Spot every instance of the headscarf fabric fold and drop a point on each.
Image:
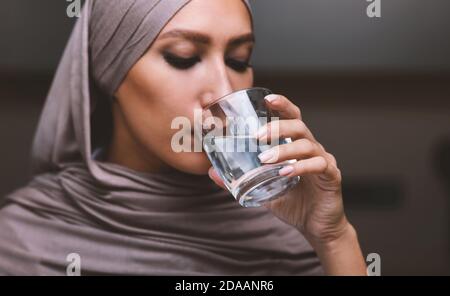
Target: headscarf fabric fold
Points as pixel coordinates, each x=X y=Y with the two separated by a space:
x=117 y=220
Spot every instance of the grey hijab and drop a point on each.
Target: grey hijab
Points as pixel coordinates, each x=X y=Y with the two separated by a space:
x=117 y=220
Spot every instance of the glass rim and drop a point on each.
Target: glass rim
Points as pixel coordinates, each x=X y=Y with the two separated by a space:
x=222 y=98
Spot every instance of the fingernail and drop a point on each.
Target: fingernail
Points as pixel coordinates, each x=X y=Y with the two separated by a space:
x=271 y=98
x=210 y=173
x=266 y=155
x=262 y=132
x=286 y=170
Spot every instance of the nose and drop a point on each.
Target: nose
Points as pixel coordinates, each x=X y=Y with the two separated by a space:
x=218 y=84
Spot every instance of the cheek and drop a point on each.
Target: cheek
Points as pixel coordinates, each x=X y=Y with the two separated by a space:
x=162 y=92
x=150 y=104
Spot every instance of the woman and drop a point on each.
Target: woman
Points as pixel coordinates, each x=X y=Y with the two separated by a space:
x=108 y=188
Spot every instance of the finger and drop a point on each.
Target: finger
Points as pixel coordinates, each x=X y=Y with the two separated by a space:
x=216 y=178
x=286 y=128
x=314 y=165
x=285 y=108
x=330 y=158
x=299 y=149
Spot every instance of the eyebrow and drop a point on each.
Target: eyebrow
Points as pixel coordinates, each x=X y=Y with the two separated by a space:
x=197 y=37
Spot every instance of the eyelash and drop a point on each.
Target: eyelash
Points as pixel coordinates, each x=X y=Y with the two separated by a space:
x=184 y=64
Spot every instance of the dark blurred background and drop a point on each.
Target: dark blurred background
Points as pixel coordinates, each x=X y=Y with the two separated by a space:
x=374 y=91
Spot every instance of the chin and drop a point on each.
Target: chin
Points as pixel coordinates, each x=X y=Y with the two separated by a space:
x=196 y=163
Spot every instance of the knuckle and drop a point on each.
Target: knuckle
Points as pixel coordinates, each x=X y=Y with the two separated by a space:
x=322 y=163
x=301 y=126
x=298 y=112
x=288 y=150
x=332 y=158
x=308 y=146
x=321 y=147
x=338 y=175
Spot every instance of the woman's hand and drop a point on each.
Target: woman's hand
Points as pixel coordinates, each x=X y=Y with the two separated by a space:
x=315 y=205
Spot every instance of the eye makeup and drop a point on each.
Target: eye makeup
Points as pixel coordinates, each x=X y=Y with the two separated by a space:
x=183 y=63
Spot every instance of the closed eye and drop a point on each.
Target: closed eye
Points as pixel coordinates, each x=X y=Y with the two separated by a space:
x=239 y=66
x=186 y=63
x=179 y=62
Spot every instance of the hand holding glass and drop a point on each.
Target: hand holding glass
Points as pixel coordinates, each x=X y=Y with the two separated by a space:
x=229 y=128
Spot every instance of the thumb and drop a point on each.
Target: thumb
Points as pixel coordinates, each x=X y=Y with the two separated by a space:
x=216 y=178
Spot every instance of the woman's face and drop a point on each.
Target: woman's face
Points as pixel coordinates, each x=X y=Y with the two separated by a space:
x=202 y=54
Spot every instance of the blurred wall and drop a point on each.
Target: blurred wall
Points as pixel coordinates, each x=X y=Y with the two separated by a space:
x=324 y=35
x=375 y=92
x=312 y=35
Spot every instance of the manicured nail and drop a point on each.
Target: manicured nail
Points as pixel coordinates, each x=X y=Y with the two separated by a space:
x=286 y=170
x=266 y=155
x=262 y=132
x=271 y=98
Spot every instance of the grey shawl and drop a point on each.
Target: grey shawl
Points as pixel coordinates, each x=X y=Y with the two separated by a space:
x=119 y=221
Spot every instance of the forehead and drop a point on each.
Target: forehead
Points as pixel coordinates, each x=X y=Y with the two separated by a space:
x=220 y=19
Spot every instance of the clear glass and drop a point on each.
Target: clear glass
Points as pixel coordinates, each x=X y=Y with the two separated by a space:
x=229 y=128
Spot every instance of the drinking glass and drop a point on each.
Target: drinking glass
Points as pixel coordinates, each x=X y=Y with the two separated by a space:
x=229 y=128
